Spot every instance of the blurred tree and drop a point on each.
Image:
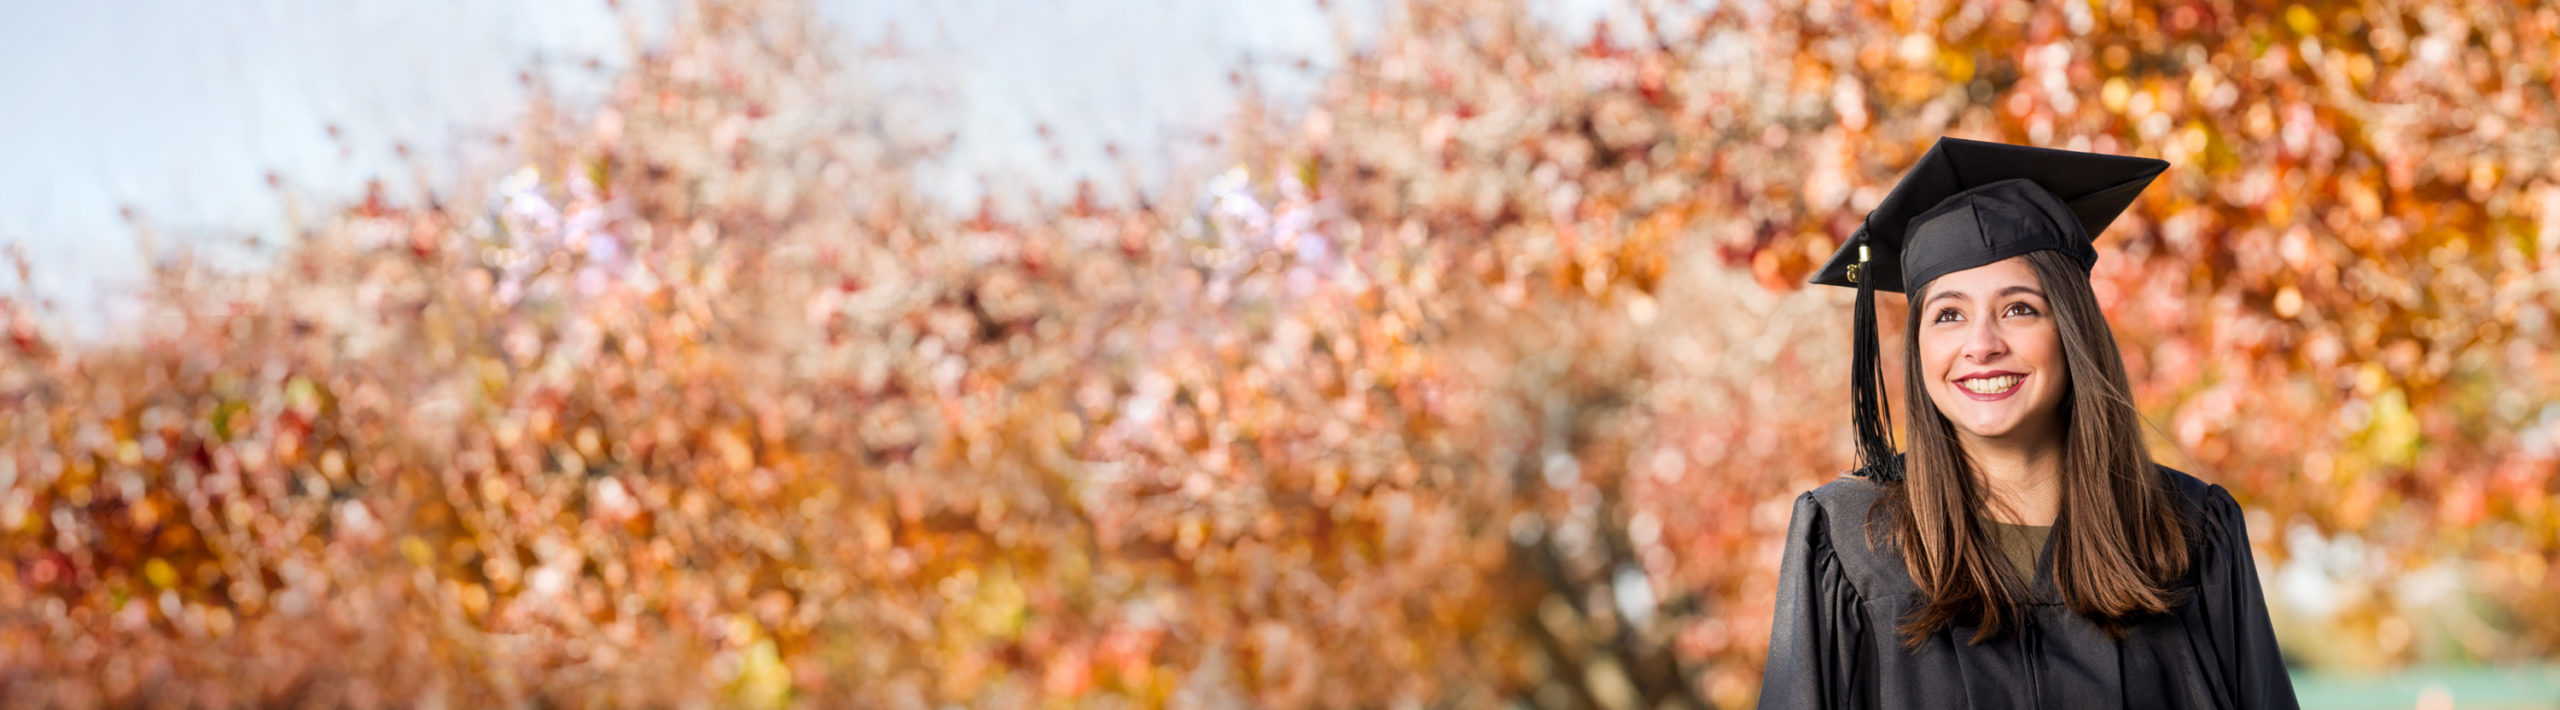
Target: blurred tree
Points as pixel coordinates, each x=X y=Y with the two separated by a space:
x=1485 y=379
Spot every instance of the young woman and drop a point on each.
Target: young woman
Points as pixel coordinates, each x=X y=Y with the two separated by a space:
x=2025 y=552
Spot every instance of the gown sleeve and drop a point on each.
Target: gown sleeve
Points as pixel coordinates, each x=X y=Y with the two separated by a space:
x=1814 y=637
x=2237 y=608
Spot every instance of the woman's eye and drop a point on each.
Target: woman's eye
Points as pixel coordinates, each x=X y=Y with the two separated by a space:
x=1948 y=315
x=2021 y=309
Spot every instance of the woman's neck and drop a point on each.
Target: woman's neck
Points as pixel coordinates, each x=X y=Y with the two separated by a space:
x=2024 y=478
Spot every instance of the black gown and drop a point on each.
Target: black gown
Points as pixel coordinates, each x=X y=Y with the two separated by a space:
x=1834 y=644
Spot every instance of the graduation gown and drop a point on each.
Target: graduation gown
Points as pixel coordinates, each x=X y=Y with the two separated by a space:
x=1834 y=645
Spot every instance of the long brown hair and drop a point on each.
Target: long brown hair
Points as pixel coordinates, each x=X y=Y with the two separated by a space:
x=2120 y=539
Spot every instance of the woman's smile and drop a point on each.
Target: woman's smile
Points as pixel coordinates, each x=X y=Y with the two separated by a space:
x=1990 y=386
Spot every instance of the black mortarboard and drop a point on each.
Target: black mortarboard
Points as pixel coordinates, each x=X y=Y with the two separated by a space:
x=1967 y=204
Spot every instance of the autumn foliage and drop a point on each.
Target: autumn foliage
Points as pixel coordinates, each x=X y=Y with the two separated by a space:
x=1486 y=377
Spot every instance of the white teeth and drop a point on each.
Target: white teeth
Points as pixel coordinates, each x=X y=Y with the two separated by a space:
x=1992 y=385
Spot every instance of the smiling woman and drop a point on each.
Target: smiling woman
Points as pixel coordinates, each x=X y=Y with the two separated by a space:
x=2022 y=460
x=2026 y=552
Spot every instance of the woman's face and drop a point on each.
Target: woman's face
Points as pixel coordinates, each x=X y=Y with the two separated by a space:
x=1991 y=353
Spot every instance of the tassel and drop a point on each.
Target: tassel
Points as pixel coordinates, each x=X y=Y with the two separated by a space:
x=1872 y=415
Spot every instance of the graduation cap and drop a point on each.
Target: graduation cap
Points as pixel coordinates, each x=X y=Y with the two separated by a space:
x=1967 y=204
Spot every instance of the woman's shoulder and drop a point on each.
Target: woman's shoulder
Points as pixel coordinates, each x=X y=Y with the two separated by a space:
x=2215 y=513
x=1837 y=507
x=1849 y=493
x=1834 y=523
x=2207 y=498
x=2191 y=488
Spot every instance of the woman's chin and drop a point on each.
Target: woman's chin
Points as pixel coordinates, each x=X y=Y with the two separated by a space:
x=1987 y=433
x=1992 y=427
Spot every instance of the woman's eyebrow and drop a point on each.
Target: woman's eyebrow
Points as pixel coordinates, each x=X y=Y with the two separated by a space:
x=1934 y=297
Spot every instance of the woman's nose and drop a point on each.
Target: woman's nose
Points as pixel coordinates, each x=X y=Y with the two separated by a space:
x=1984 y=343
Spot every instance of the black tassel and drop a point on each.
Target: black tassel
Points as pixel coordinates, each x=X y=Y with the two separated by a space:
x=1873 y=416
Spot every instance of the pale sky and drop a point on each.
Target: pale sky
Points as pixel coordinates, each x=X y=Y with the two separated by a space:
x=181 y=109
